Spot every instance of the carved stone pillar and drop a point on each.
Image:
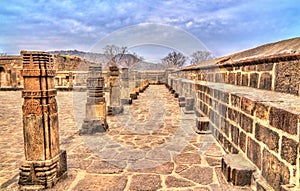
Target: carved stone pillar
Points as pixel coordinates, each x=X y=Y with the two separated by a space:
x=45 y=163
x=95 y=120
x=125 y=90
x=115 y=90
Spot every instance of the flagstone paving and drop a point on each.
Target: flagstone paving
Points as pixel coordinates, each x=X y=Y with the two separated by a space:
x=151 y=146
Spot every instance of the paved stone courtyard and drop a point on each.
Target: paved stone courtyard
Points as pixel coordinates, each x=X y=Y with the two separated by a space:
x=151 y=146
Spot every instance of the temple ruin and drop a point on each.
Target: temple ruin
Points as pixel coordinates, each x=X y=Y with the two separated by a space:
x=240 y=113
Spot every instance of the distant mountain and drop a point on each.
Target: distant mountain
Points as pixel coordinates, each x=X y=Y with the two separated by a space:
x=93 y=57
x=125 y=60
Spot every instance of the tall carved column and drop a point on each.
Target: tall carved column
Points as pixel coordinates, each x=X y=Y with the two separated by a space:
x=95 y=120
x=115 y=92
x=45 y=163
x=125 y=90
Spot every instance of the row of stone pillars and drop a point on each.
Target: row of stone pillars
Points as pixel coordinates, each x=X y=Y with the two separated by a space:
x=188 y=105
x=44 y=162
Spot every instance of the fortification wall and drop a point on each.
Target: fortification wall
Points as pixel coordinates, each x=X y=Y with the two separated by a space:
x=253 y=110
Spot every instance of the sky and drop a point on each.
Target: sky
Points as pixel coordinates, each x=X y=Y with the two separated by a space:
x=220 y=26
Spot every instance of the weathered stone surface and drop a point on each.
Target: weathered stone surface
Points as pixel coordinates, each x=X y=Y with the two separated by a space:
x=254 y=80
x=289 y=150
x=274 y=171
x=242 y=141
x=233 y=114
x=245 y=79
x=247 y=105
x=246 y=123
x=261 y=111
x=254 y=152
x=287 y=77
x=103 y=183
x=213 y=161
x=234 y=134
x=267 y=136
x=231 y=78
x=265 y=81
x=188 y=158
x=159 y=168
x=283 y=120
x=145 y=182
x=235 y=101
x=172 y=182
x=200 y=175
x=101 y=167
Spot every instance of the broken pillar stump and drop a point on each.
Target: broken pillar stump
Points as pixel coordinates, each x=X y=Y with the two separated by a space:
x=202 y=125
x=44 y=162
x=237 y=169
x=95 y=120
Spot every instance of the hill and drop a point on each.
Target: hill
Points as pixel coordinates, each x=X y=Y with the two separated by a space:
x=125 y=60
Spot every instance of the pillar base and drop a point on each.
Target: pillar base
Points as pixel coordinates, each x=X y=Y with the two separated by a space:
x=39 y=175
x=91 y=126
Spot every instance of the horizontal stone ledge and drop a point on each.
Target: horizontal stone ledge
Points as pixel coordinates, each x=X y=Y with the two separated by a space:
x=220 y=63
x=283 y=101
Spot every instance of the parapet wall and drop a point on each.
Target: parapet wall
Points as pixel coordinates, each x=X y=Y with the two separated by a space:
x=278 y=73
x=253 y=107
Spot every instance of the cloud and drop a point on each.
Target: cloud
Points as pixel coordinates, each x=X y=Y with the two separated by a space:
x=223 y=25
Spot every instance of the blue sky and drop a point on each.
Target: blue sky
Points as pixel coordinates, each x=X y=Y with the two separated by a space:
x=223 y=26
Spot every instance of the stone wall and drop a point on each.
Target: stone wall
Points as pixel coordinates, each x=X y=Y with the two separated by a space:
x=10 y=71
x=253 y=109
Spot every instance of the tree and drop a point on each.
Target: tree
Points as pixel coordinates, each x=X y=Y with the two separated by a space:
x=120 y=56
x=174 y=59
x=200 y=56
x=111 y=53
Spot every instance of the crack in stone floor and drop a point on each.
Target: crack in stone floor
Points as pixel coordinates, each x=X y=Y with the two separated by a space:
x=151 y=146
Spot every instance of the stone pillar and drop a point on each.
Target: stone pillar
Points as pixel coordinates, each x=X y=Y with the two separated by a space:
x=115 y=92
x=44 y=162
x=125 y=90
x=95 y=120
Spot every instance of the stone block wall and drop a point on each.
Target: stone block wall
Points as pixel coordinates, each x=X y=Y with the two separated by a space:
x=276 y=73
x=248 y=113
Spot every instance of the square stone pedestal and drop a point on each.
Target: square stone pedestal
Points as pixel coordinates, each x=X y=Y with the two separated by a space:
x=91 y=126
x=39 y=175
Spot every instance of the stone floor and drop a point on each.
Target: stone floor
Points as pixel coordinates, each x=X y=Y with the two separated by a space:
x=151 y=146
